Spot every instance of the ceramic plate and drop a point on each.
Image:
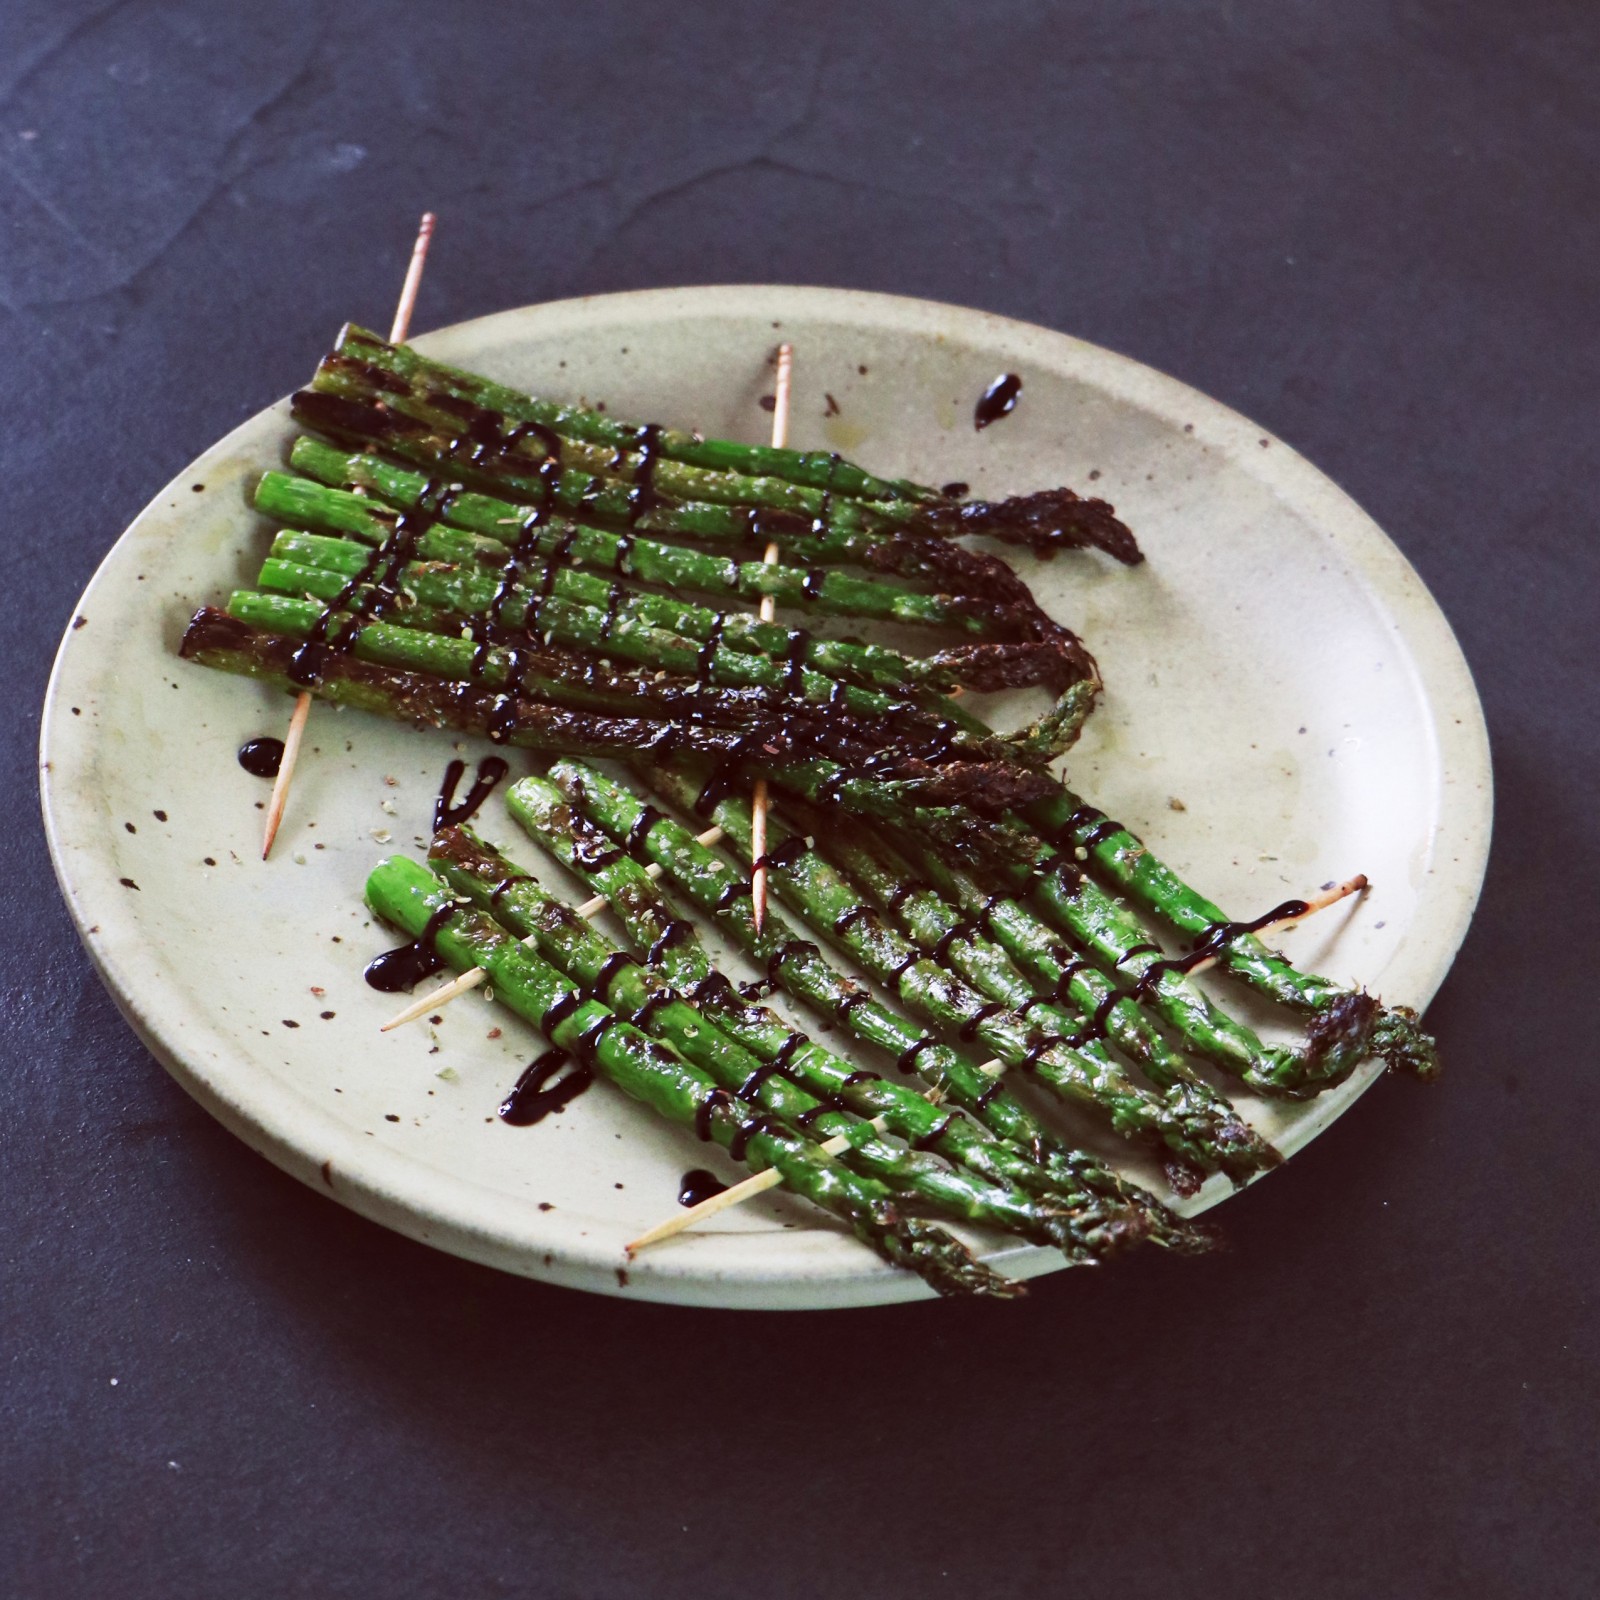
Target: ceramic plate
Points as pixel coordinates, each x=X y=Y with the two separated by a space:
x=1286 y=705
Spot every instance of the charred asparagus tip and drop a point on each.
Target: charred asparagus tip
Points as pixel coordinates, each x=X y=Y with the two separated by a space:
x=446 y=992
x=782 y=384
x=302 y=704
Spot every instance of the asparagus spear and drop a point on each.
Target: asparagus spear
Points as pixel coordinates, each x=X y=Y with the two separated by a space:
x=1071 y=824
x=797 y=965
x=456 y=572
x=1108 y=933
x=474 y=665
x=1103 y=1224
x=920 y=1181
x=937 y=926
x=1036 y=944
x=410 y=897
x=218 y=640
x=814 y=467
x=503 y=438
x=980 y=599
x=822 y=543
x=833 y=906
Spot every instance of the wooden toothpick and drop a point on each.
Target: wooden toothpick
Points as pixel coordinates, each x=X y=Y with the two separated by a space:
x=470 y=979
x=736 y=1196
x=752 y=1186
x=769 y=608
x=1313 y=904
x=302 y=705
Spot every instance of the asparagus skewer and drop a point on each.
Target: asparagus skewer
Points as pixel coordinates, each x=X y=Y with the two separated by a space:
x=1190 y=1134
x=993 y=600
x=638 y=991
x=753 y=702
x=652 y=924
x=414 y=900
x=509 y=435
x=797 y=965
x=817 y=468
x=218 y=640
x=1336 y=1040
x=938 y=926
x=452 y=575
x=1071 y=824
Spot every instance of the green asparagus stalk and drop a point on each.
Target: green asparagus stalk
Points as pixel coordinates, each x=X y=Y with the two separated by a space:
x=427 y=594
x=488 y=440
x=583 y=628
x=797 y=965
x=1071 y=824
x=1107 y=932
x=1036 y=945
x=412 y=899
x=814 y=467
x=323 y=503
x=218 y=640
x=1091 y=1080
x=452 y=575
x=822 y=543
x=937 y=926
x=921 y=1182
x=1101 y=1225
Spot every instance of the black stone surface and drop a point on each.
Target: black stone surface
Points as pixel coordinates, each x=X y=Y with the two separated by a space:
x=1372 y=227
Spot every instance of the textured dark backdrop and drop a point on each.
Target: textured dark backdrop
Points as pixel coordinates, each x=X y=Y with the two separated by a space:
x=1370 y=226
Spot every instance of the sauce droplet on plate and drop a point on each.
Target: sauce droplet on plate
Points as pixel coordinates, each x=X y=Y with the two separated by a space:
x=998 y=400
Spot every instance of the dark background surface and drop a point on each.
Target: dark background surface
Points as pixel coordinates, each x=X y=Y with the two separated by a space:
x=1371 y=227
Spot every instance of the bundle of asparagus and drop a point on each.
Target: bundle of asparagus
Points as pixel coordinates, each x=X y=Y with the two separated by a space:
x=465 y=556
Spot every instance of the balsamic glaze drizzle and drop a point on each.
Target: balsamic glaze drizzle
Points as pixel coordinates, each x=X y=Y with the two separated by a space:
x=447 y=811
x=819 y=525
x=998 y=400
x=379 y=576
x=404 y=967
x=262 y=757
x=697 y=1185
x=530 y=1101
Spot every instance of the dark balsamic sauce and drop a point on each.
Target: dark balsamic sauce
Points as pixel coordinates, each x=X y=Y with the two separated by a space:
x=379 y=577
x=697 y=1185
x=404 y=967
x=534 y=1097
x=998 y=400
x=447 y=810
x=261 y=757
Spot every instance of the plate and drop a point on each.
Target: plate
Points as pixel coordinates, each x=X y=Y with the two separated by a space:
x=1286 y=705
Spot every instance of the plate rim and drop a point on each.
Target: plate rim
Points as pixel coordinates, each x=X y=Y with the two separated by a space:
x=384 y=1184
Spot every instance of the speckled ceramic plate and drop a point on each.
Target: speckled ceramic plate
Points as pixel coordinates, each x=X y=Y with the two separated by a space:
x=1286 y=705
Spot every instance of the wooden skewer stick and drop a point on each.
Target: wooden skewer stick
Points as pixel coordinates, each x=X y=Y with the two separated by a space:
x=1315 y=903
x=758 y=799
x=473 y=976
x=750 y=1188
x=1319 y=902
x=302 y=705
x=736 y=1196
